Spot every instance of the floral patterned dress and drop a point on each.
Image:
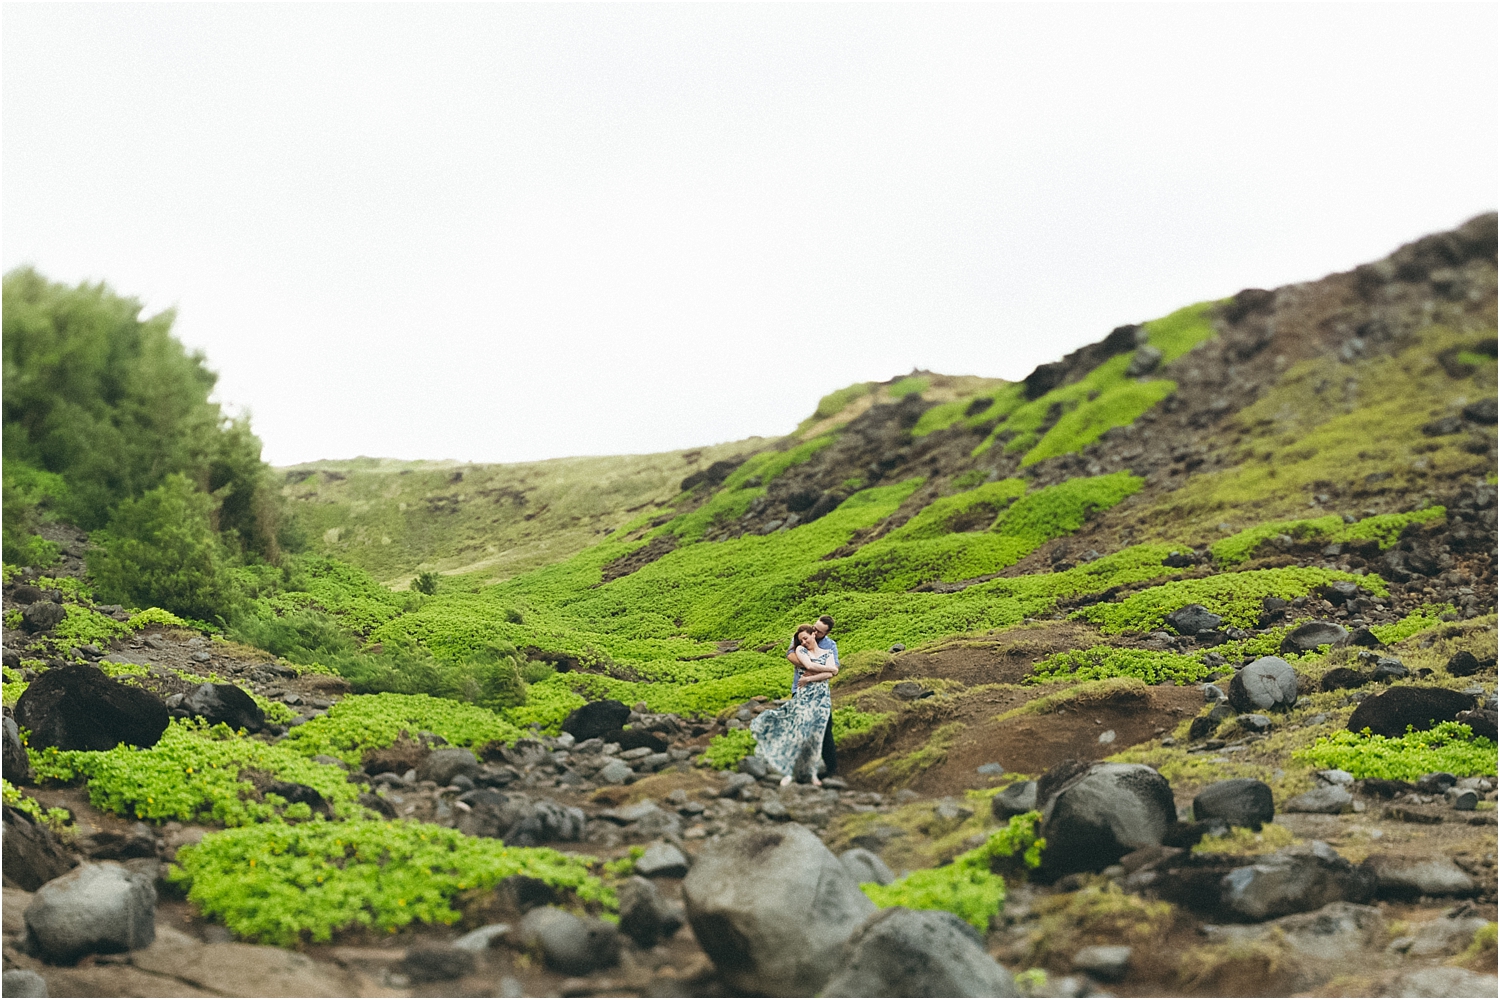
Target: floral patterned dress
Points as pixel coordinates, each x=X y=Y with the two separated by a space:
x=790 y=737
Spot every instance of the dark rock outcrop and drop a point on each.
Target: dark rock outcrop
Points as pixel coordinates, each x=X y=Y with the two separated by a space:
x=76 y=707
x=918 y=953
x=1100 y=814
x=32 y=856
x=596 y=719
x=225 y=703
x=1390 y=712
x=1237 y=801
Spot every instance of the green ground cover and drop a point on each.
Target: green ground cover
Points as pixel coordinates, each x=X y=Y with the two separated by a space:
x=1448 y=746
x=293 y=884
x=1385 y=529
x=365 y=722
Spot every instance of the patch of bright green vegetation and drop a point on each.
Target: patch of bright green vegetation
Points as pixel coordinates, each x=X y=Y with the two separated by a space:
x=850 y=721
x=82 y=626
x=1354 y=436
x=1099 y=662
x=368 y=722
x=987 y=406
x=286 y=885
x=1244 y=841
x=901 y=388
x=743 y=487
x=1448 y=746
x=1235 y=596
x=57 y=820
x=194 y=775
x=728 y=749
x=1107 y=689
x=1382 y=528
x=937 y=518
x=155 y=616
x=966 y=888
x=1419 y=620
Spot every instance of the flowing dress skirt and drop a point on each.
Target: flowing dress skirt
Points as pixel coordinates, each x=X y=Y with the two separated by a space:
x=790 y=737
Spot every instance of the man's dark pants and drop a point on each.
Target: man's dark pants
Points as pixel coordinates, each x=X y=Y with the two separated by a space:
x=830 y=754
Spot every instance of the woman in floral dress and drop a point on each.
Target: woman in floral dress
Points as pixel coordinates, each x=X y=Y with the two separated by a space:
x=790 y=737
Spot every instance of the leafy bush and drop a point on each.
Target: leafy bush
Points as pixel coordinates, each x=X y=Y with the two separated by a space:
x=194 y=774
x=82 y=626
x=161 y=549
x=373 y=721
x=966 y=888
x=490 y=678
x=1419 y=620
x=425 y=583
x=1448 y=746
x=286 y=885
x=57 y=820
x=1101 y=662
x=849 y=721
x=728 y=749
x=155 y=616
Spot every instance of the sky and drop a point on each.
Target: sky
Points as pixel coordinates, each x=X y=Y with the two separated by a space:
x=510 y=232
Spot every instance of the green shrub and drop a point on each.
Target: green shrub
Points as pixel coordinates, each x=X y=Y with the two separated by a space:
x=1102 y=662
x=374 y=721
x=966 y=888
x=1419 y=620
x=426 y=582
x=82 y=626
x=1448 y=746
x=57 y=820
x=728 y=749
x=194 y=775
x=155 y=616
x=1383 y=528
x=287 y=885
x=160 y=549
x=850 y=721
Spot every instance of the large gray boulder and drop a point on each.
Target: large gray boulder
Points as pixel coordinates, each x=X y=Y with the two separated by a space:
x=23 y=983
x=1269 y=682
x=1237 y=801
x=1013 y=800
x=1294 y=881
x=646 y=917
x=773 y=908
x=866 y=866
x=1408 y=878
x=443 y=765
x=93 y=909
x=1102 y=813
x=1192 y=619
x=570 y=944
x=1306 y=638
x=918 y=953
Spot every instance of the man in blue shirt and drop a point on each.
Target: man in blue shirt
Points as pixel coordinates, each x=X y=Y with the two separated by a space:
x=824 y=626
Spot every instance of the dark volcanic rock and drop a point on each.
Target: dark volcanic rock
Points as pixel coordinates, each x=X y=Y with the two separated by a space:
x=227 y=704
x=596 y=719
x=1482 y=721
x=1341 y=679
x=1237 y=801
x=1308 y=637
x=1390 y=712
x=76 y=707
x=630 y=739
x=1297 y=880
x=1267 y=683
x=14 y=764
x=1100 y=814
x=436 y=963
x=918 y=953
x=1463 y=664
x=25 y=594
x=32 y=856
x=570 y=944
x=1194 y=618
x=42 y=615
x=645 y=916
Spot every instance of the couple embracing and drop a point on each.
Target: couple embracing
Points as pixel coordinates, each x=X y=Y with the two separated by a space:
x=793 y=736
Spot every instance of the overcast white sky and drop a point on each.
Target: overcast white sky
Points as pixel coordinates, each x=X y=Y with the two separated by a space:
x=499 y=233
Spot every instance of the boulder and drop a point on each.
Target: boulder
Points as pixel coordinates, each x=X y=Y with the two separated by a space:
x=1340 y=591
x=1387 y=669
x=481 y=939
x=1194 y=618
x=26 y=594
x=1106 y=962
x=32 y=855
x=42 y=616
x=1481 y=721
x=1463 y=664
x=225 y=703
x=1341 y=679
x=14 y=764
x=1331 y=799
x=1390 y=712
x=662 y=860
x=645 y=916
x=1097 y=815
x=615 y=772
x=572 y=945
x=865 y=866
x=1237 y=801
x=596 y=719
x=23 y=983
x=446 y=763
x=631 y=739
x=917 y=953
x=1013 y=800
x=1307 y=638
x=772 y=908
x=1293 y=882
x=435 y=963
x=76 y=707
x=546 y=821
x=1267 y=683
x=1411 y=878
x=94 y=909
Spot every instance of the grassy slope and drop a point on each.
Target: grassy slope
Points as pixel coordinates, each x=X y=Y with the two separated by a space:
x=396 y=518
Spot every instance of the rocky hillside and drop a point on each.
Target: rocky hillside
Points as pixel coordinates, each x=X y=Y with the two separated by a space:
x=1168 y=670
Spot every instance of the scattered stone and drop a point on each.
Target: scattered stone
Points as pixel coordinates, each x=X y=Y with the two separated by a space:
x=1334 y=777
x=754 y=766
x=1445 y=981
x=772 y=908
x=595 y=719
x=1408 y=879
x=865 y=866
x=917 y=953
x=662 y=860
x=1340 y=591
x=1446 y=935
x=1463 y=664
x=898 y=647
x=93 y=909
x=989 y=769
x=1362 y=636
x=1013 y=800
x=1267 y=683
x=910 y=691
x=482 y=939
x=1388 y=669
x=225 y=703
x=76 y=707
x=23 y=983
x=1108 y=736
x=1294 y=881
x=1410 y=814
x=1332 y=799
x=616 y=772
x=1341 y=679
x=645 y=916
x=572 y=945
x=773 y=809
x=1237 y=801
x=1098 y=813
x=1179 y=560
x=26 y=594
x=42 y=616
x=446 y=763
x=1481 y=721
x=1254 y=723
x=1202 y=727
x=1462 y=799
x=1105 y=962
x=436 y=963
x=1307 y=638
x=1194 y=618
x=1390 y=712
x=1146 y=359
